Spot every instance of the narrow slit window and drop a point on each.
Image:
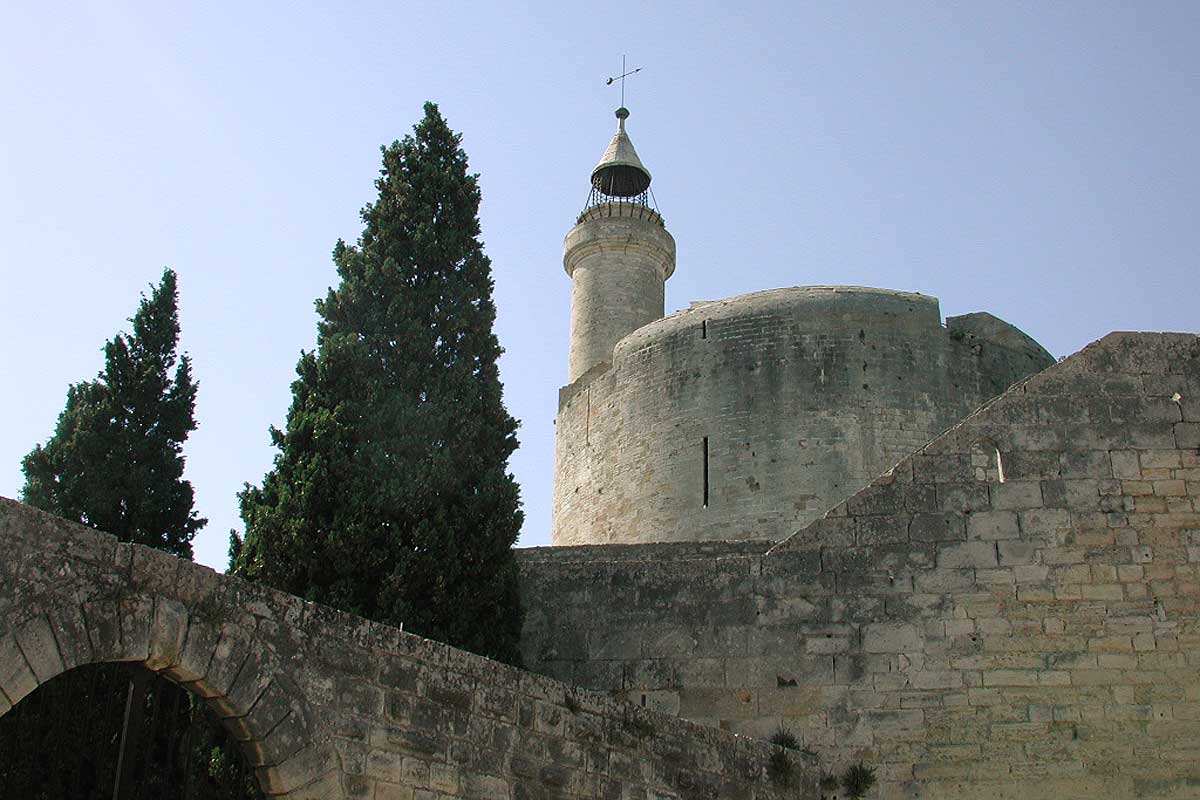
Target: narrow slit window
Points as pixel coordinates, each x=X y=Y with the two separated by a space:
x=704 y=447
x=703 y=329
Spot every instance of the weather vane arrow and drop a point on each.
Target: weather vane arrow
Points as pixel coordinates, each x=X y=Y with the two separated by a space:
x=624 y=74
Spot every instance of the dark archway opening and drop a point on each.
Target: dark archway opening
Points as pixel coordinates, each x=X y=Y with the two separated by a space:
x=118 y=731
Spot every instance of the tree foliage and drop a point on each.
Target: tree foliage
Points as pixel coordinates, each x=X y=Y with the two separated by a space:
x=115 y=460
x=390 y=496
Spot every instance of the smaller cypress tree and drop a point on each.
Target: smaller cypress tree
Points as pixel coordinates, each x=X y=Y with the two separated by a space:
x=115 y=460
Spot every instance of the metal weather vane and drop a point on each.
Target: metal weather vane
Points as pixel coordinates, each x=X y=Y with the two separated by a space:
x=624 y=74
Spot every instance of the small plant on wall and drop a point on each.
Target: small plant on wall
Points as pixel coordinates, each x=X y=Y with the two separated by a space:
x=854 y=783
x=779 y=768
x=857 y=781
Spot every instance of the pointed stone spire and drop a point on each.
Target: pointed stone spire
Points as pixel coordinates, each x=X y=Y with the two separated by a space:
x=620 y=172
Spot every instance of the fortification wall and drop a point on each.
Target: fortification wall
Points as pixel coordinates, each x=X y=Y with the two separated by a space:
x=1036 y=636
x=329 y=706
x=750 y=417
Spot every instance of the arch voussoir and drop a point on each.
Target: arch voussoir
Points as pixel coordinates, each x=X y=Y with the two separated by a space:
x=137 y=614
x=16 y=676
x=36 y=640
x=234 y=648
x=309 y=767
x=103 y=620
x=195 y=655
x=71 y=633
x=168 y=629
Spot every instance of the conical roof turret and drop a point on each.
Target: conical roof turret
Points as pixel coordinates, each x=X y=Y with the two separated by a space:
x=620 y=172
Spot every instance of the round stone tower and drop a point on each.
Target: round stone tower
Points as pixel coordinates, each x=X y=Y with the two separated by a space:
x=619 y=255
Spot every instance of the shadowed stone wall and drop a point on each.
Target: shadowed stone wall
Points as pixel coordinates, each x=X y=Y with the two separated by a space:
x=328 y=705
x=750 y=417
x=1012 y=612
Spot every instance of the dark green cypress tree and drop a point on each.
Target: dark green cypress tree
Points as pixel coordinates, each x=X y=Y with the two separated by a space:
x=390 y=496
x=115 y=460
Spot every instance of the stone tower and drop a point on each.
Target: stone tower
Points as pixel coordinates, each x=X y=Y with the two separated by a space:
x=751 y=416
x=619 y=255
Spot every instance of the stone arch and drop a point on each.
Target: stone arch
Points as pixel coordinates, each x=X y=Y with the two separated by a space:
x=986 y=461
x=67 y=603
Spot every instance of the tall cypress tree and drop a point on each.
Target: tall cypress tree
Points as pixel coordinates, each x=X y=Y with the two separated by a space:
x=115 y=460
x=390 y=496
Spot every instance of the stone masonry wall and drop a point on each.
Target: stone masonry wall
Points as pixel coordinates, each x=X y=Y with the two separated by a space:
x=328 y=705
x=1012 y=612
x=750 y=417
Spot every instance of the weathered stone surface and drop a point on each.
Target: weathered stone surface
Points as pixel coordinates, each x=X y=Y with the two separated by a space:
x=325 y=705
x=1037 y=645
x=784 y=401
x=167 y=634
x=37 y=643
x=16 y=678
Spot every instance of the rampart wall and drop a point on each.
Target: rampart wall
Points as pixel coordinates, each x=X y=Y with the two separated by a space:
x=331 y=706
x=1012 y=612
x=750 y=417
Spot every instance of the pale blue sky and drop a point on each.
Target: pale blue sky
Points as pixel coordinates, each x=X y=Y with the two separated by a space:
x=1036 y=160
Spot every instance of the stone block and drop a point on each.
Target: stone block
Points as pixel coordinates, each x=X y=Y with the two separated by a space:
x=1160 y=459
x=826 y=644
x=1010 y=677
x=887 y=637
x=37 y=642
x=16 y=678
x=104 y=630
x=1030 y=573
x=391 y=791
x=620 y=644
x=886 y=529
x=153 y=571
x=1042 y=464
x=1016 y=552
x=196 y=654
x=384 y=766
x=963 y=497
x=303 y=769
x=1016 y=495
x=1113 y=592
x=1170 y=488
x=251 y=682
x=700 y=673
x=280 y=722
x=942 y=468
x=967 y=554
x=885 y=498
x=721 y=703
x=649 y=674
x=993 y=525
x=1082 y=494
x=937 y=527
x=228 y=656
x=137 y=614
x=70 y=631
x=945 y=580
x=920 y=497
x=167 y=634
x=936 y=679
